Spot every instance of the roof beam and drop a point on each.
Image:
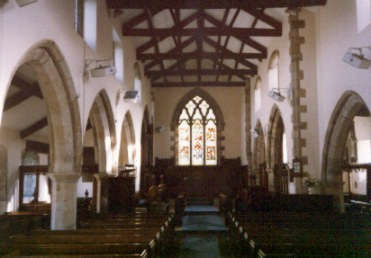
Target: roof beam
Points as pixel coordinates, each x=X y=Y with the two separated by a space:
x=210 y=4
x=240 y=72
x=198 y=84
x=176 y=27
x=34 y=128
x=173 y=51
x=209 y=55
x=224 y=31
x=16 y=99
x=224 y=49
x=23 y=85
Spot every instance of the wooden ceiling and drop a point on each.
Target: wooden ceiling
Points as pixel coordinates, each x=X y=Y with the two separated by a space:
x=187 y=44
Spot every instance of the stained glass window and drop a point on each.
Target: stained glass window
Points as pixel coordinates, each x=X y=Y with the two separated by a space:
x=197 y=134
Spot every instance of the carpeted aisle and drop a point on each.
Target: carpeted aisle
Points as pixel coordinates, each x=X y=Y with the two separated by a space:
x=203 y=233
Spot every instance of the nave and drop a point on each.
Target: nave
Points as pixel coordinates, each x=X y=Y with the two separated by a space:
x=262 y=226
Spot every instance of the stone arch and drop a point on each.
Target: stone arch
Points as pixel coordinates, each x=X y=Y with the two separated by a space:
x=127 y=145
x=259 y=145
x=340 y=125
x=274 y=153
x=63 y=114
x=3 y=178
x=218 y=113
x=206 y=96
x=103 y=123
x=275 y=132
x=146 y=150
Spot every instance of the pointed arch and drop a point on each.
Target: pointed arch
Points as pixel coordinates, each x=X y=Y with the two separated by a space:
x=208 y=151
x=127 y=146
x=340 y=126
x=259 y=145
x=63 y=115
x=276 y=129
x=146 y=150
x=103 y=123
x=206 y=96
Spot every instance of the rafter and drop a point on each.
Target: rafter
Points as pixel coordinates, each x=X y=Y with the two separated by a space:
x=23 y=85
x=224 y=31
x=211 y=4
x=16 y=99
x=34 y=128
x=157 y=51
x=224 y=49
x=198 y=84
x=240 y=72
x=176 y=27
x=175 y=50
x=209 y=55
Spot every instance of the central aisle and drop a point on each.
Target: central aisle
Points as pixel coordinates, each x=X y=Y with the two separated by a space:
x=203 y=233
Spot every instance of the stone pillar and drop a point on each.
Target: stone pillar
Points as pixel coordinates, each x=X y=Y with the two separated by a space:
x=64 y=201
x=298 y=93
x=248 y=125
x=101 y=194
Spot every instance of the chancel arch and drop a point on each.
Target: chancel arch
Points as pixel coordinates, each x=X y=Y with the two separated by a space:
x=277 y=152
x=339 y=134
x=197 y=126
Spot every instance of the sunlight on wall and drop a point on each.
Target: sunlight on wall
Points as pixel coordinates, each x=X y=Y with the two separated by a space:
x=82 y=187
x=284 y=149
x=363 y=14
x=44 y=195
x=364 y=151
x=90 y=23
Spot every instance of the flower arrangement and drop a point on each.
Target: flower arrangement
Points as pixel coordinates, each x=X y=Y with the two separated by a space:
x=311 y=182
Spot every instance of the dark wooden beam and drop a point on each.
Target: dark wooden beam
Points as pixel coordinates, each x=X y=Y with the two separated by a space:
x=139 y=19
x=210 y=4
x=16 y=99
x=173 y=51
x=38 y=147
x=23 y=85
x=198 y=84
x=34 y=128
x=225 y=31
x=224 y=49
x=177 y=27
x=241 y=72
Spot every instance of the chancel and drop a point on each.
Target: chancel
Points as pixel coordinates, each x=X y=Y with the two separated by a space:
x=185 y=128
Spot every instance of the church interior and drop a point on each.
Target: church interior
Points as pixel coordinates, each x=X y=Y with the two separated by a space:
x=185 y=128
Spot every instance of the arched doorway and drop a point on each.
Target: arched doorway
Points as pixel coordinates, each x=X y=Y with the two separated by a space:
x=43 y=84
x=278 y=181
x=259 y=157
x=338 y=144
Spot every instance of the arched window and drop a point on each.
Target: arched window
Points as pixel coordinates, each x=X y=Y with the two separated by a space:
x=197 y=134
x=273 y=71
x=257 y=95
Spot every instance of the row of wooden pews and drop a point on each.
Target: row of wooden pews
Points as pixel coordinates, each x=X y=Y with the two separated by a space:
x=136 y=234
x=300 y=234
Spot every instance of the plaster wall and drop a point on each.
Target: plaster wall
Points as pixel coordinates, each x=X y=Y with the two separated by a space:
x=336 y=31
x=228 y=99
x=21 y=29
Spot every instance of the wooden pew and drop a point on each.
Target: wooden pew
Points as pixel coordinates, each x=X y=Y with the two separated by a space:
x=118 y=235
